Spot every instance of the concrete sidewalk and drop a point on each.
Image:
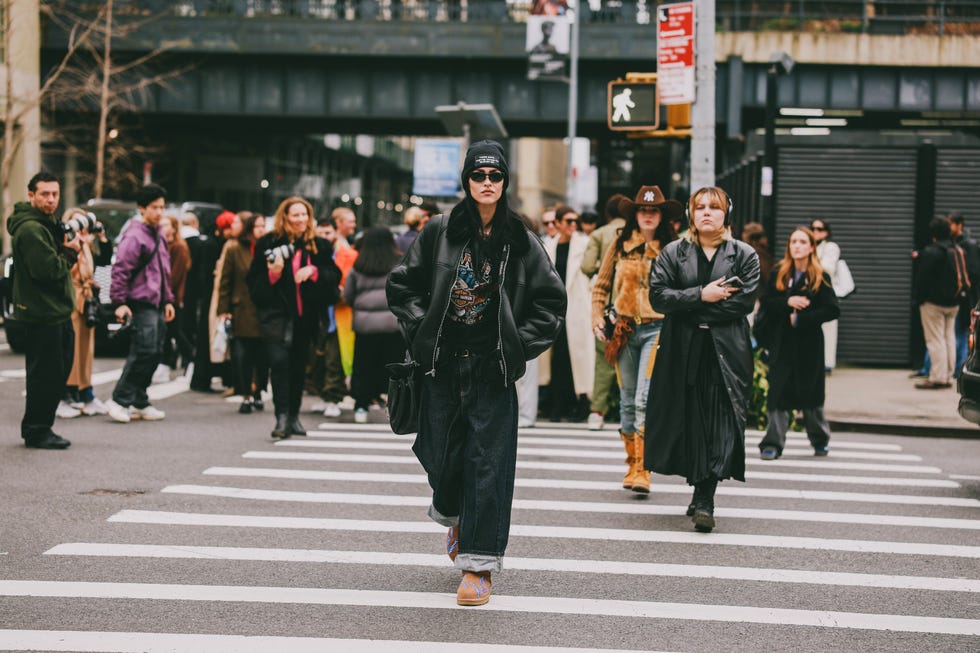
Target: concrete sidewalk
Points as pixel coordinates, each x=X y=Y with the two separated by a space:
x=886 y=401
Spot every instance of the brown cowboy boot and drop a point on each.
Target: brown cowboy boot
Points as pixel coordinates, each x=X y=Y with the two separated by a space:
x=628 y=443
x=640 y=479
x=474 y=588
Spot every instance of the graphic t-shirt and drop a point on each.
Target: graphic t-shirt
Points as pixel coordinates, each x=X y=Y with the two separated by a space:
x=471 y=320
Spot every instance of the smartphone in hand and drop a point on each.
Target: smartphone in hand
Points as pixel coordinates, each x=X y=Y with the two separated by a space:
x=732 y=282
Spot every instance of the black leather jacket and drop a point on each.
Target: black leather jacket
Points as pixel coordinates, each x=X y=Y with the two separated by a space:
x=531 y=307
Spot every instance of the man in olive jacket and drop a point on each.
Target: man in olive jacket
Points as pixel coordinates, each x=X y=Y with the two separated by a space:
x=43 y=300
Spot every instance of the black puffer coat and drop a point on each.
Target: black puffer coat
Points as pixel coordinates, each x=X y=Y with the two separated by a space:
x=276 y=304
x=676 y=292
x=796 y=375
x=532 y=302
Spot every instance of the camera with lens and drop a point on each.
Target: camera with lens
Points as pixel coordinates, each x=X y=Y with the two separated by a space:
x=286 y=251
x=81 y=221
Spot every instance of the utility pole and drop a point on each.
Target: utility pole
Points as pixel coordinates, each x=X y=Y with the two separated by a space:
x=703 y=109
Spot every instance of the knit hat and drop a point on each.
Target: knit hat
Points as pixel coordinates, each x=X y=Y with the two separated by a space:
x=484 y=154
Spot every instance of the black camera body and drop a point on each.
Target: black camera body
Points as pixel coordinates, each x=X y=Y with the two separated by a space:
x=285 y=250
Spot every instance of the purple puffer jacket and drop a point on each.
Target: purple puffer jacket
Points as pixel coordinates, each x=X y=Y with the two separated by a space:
x=151 y=285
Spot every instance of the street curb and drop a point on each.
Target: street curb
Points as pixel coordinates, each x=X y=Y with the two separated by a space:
x=905 y=428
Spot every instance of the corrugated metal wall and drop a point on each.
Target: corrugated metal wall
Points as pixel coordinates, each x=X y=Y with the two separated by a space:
x=958 y=184
x=868 y=196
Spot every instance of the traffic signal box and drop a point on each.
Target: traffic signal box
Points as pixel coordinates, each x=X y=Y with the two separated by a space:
x=633 y=106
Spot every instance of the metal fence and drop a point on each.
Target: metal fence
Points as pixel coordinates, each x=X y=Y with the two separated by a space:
x=858 y=16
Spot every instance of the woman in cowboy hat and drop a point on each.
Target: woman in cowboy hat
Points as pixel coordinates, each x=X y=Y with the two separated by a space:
x=623 y=283
x=705 y=285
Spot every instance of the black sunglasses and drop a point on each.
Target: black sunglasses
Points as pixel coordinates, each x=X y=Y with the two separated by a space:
x=479 y=176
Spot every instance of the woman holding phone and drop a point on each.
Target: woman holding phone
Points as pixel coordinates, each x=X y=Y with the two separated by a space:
x=705 y=285
x=799 y=299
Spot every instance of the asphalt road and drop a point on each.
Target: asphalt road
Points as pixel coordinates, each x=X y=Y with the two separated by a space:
x=201 y=533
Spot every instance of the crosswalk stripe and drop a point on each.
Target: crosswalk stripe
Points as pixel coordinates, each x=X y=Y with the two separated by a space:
x=379 y=441
x=605 y=469
x=582 y=467
x=500 y=603
x=133 y=642
x=169 y=389
x=570 y=484
x=626 y=568
x=631 y=508
x=551 y=532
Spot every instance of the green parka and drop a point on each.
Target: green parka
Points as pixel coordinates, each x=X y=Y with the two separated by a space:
x=43 y=292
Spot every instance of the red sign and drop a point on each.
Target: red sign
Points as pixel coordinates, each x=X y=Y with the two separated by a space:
x=675 y=53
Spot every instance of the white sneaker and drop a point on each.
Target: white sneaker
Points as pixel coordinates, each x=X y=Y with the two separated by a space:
x=360 y=416
x=330 y=409
x=117 y=413
x=94 y=407
x=595 y=421
x=161 y=374
x=64 y=411
x=318 y=407
x=148 y=414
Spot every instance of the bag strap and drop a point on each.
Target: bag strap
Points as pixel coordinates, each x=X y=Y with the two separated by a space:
x=145 y=262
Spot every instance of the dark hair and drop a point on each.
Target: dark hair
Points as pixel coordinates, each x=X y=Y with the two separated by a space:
x=326 y=219
x=589 y=217
x=955 y=217
x=664 y=233
x=612 y=207
x=826 y=227
x=248 y=219
x=149 y=194
x=44 y=175
x=377 y=253
x=430 y=207
x=939 y=228
x=562 y=211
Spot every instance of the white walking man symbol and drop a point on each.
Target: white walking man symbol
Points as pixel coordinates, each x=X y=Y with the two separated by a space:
x=622 y=104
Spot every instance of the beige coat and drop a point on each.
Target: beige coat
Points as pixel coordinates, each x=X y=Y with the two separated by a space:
x=578 y=323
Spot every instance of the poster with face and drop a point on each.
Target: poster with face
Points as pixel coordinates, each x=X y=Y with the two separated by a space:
x=547 y=46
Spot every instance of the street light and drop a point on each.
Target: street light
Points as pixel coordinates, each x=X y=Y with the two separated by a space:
x=780 y=63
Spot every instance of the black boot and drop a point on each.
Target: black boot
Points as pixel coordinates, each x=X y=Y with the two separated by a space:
x=691 y=506
x=293 y=427
x=281 y=429
x=704 y=506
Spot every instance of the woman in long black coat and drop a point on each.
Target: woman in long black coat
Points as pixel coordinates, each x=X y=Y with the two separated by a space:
x=292 y=280
x=699 y=393
x=798 y=300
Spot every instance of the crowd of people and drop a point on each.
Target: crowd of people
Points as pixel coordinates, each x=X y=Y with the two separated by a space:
x=653 y=307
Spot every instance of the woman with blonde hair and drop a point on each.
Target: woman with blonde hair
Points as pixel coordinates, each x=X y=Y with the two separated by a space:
x=83 y=279
x=292 y=280
x=704 y=284
x=798 y=300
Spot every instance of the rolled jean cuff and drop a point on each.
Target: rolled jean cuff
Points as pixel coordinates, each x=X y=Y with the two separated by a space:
x=439 y=518
x=479 y=562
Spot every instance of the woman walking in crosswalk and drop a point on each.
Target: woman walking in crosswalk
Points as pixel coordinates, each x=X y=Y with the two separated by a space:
x=705 y=285
x=477 y=297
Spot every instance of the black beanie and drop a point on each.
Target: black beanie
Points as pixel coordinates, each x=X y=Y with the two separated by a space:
x=484 y=154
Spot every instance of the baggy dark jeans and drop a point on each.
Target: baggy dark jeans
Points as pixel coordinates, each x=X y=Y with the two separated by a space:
x=48 y=353
x=287 y=369
x=145 y=352
x=467 y=443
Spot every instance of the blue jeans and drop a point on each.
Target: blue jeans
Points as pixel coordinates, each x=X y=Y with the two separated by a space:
x=145 y=351
x=467 y=443
x=633 y=370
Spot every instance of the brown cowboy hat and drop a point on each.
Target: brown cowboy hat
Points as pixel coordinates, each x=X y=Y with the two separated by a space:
x=651 y=197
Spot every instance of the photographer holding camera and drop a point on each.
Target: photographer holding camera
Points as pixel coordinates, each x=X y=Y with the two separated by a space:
x=44 y=300
x=142 y=294
x=85 y=317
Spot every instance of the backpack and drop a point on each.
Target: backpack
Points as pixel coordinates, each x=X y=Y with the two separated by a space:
x=954 y=287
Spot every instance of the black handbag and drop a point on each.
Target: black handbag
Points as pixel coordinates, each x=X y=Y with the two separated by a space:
x=92 y=312
x=404 y=396
x=609 y=318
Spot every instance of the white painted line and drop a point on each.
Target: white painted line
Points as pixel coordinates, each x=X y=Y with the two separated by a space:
x=585 y=467
x=965 y=477
x=14 y=374
x=109 y=376
x=632 y=508
x=603 y=486
x=501 y=603
x=381 y=441
x=551 y=532
x=4 y=346
x=169 y=389
x=850 y=480
x=625 y=568
x=131 y=642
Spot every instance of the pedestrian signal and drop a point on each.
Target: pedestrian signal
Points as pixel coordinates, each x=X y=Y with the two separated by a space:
x=633 y=106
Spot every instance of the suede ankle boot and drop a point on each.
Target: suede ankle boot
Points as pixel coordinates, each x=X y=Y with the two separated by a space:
x=628 y=444
x=474 y=588
x=640 y=478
